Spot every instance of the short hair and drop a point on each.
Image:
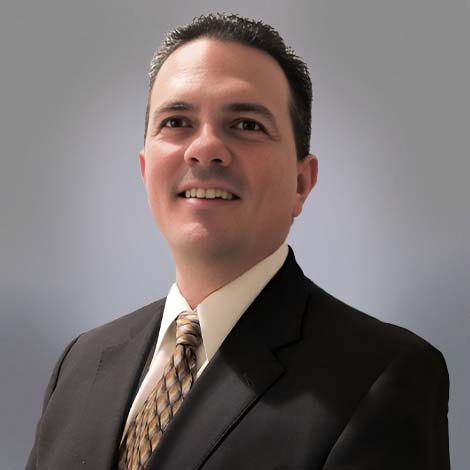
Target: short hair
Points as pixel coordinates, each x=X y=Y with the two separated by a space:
x=256 y=34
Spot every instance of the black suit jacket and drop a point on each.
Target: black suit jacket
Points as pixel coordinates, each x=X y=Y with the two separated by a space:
x=303 y=381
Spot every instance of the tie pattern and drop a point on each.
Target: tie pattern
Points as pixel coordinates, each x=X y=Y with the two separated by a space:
x=145 y=431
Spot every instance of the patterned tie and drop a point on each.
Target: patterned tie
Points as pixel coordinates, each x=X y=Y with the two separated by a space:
x=145 y=431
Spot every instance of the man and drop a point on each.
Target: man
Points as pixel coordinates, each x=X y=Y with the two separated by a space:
x=246 y=364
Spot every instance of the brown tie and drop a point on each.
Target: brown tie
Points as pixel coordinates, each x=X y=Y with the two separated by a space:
x=146 y=430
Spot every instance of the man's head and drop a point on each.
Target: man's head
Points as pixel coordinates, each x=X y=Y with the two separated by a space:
x=233 y=28
x=220 y=159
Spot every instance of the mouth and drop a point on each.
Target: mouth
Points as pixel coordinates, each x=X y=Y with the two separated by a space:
x=210 y=193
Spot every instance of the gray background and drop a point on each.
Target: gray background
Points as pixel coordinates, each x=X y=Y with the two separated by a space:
x=386 y=229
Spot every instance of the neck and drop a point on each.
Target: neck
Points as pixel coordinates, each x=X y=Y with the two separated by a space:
x=198 y=278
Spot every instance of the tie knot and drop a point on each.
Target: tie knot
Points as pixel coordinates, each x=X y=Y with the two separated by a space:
x=188 y=330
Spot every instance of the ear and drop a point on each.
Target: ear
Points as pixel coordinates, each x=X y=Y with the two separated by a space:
x=307 y=172
x=142 y=164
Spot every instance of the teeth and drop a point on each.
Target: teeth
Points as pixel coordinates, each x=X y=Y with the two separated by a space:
x=211 y=193
x=225 y=195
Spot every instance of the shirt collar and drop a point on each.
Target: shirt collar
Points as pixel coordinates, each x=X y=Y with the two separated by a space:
x=219 y=312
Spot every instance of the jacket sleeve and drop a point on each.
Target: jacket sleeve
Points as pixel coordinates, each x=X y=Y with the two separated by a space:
x=32 y=460
x=401 y=423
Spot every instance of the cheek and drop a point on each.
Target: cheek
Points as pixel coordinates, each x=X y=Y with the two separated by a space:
x=279 y=178
x=161 y=166
x=281 y=191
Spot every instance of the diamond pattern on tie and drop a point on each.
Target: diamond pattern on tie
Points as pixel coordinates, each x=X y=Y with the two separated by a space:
x=145 y=431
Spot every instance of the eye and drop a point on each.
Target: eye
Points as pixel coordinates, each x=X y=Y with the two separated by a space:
x=174 y=122
x=249 y=125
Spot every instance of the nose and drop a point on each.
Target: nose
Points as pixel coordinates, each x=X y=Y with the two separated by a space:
x=207 y=149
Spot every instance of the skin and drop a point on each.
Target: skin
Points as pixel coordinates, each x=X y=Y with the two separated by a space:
x=207 y=142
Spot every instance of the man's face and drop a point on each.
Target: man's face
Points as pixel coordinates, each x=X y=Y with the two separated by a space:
x=219 y=125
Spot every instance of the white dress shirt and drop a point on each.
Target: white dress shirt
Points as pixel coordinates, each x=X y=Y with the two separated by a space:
x=218 y=313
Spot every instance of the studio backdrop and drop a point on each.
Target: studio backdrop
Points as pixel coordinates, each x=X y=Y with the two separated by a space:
x=386 y=229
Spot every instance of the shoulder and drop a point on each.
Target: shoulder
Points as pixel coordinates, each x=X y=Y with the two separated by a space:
x=357 y=336
x=119 y=330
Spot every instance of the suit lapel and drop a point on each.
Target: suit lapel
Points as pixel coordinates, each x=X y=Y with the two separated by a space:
x=238 y=375
x=112 y=392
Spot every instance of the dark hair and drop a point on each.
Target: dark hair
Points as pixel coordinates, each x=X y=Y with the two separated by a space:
x=233 y=28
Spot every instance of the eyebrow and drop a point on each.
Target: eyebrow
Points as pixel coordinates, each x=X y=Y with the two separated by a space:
x=236 y=107
x=173 y=106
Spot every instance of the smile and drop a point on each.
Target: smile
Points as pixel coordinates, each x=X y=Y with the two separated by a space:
x=211 y=193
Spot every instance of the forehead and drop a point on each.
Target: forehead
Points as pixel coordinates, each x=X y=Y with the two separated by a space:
x=208 y=69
